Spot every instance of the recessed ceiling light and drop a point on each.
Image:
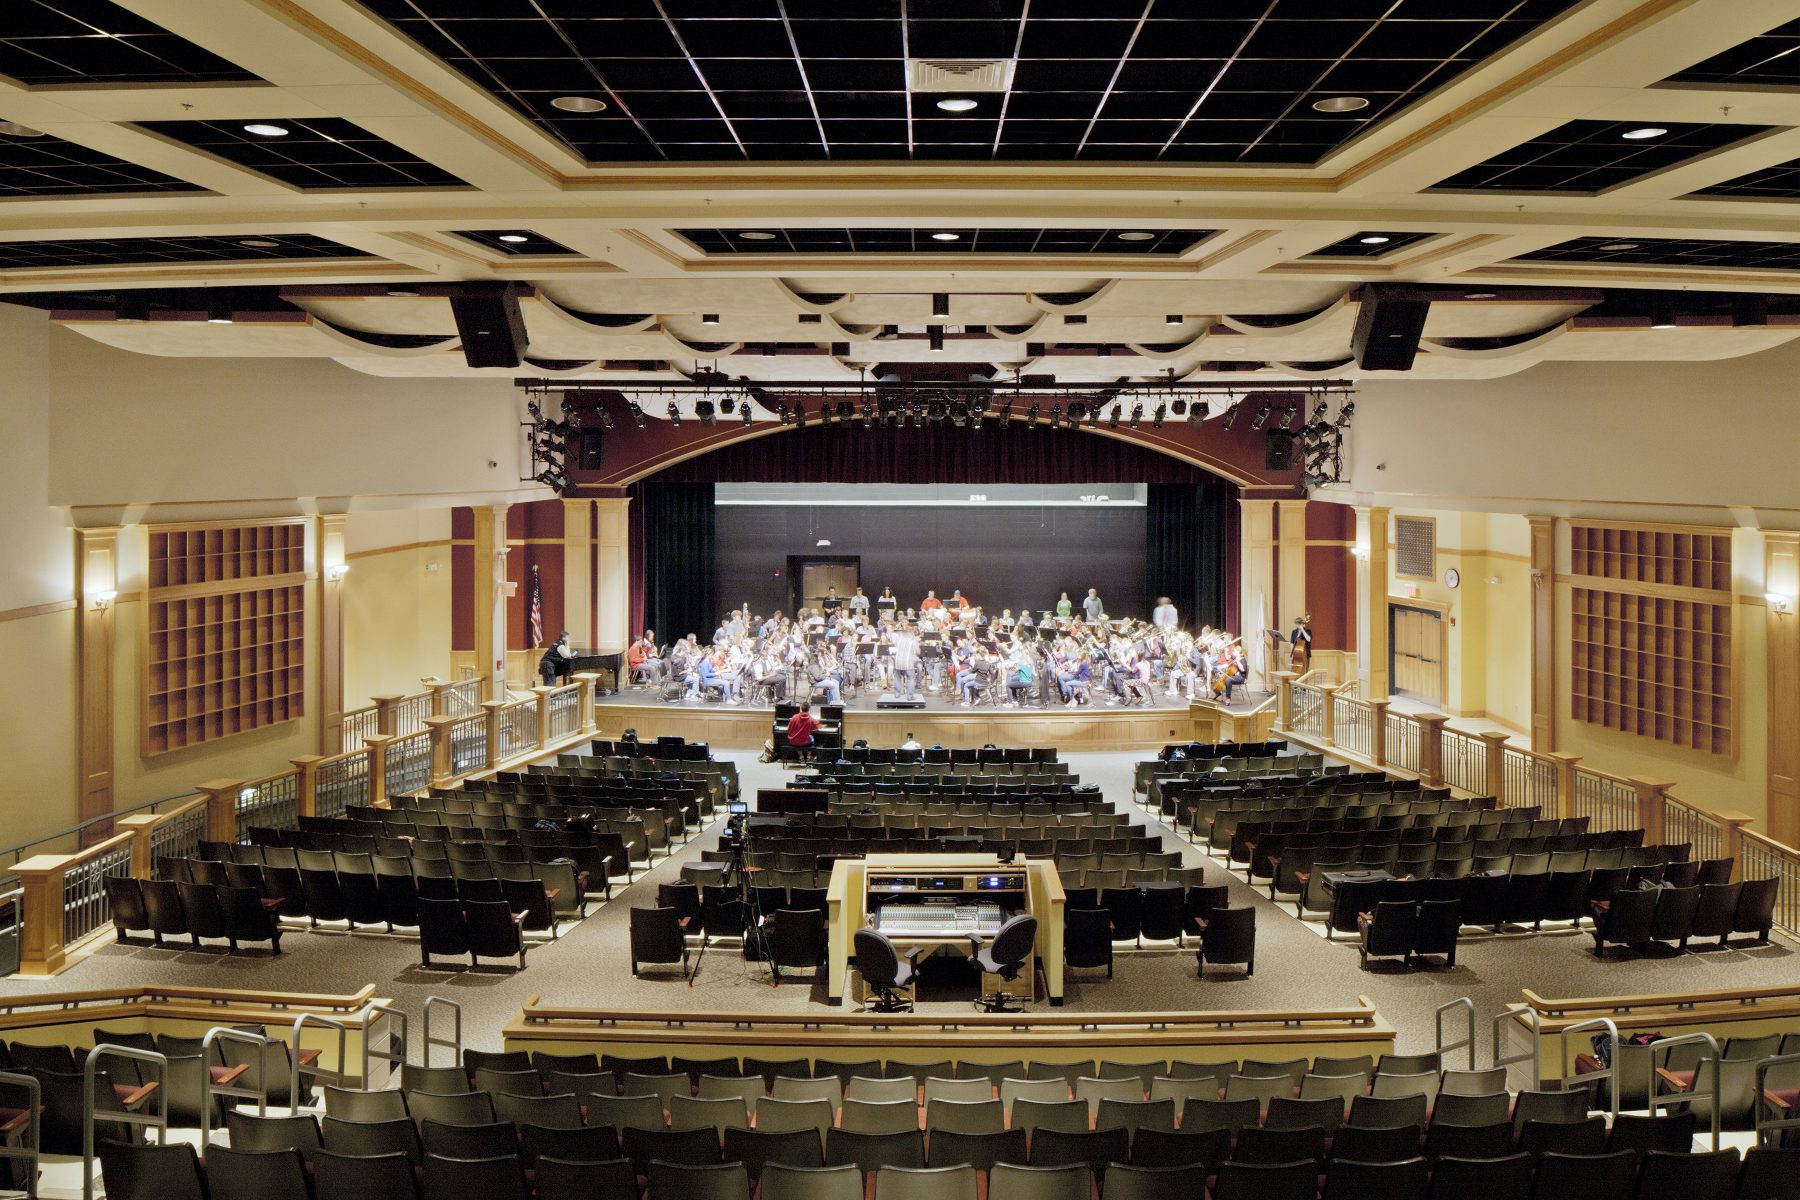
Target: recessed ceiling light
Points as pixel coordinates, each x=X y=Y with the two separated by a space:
x=1478 y=295
x=1648 y=131
x=756 y=235
x=1340 y=104
x=578 y=104
x=946 y=237
x=14 y=129
x=956 y=104
x=259 y=243
x=403 y=293
x=261 y=130
x=1620 y=246
x=1134 y=235
x=514 y=238
x=1375 y=239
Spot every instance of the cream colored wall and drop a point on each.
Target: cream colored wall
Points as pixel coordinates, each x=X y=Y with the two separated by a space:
x=37 y=617
x=396 y=602
x=1709 y=781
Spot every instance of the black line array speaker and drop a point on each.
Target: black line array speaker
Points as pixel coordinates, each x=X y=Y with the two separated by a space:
x=1389 y=321
x=1278 y=450
x=489 y=322
x=592 y=450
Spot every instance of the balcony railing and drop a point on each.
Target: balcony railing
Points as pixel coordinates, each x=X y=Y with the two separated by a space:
x=565 y=712
x=1607 y=801
x=518 y=729
x=180 y=835
x=84 y=902
x=1764 y=858
x=341 y=782
x=1352 y=724
x=1309 y=709
x=468 y=745
x=273 y=803
x=408 y=764
x=1685 y=823
x=1402 y=741
x=1531 y=780
x=1463 y=759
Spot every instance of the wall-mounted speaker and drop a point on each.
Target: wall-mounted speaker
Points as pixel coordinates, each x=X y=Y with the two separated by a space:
x=1389 y=320
x=489 y=322
x=591 y=450
x=1278 y=450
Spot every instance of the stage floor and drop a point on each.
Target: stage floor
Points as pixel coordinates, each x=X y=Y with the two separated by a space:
x=945 y=702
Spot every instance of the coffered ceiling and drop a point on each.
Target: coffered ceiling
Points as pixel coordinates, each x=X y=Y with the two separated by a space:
x=793 y=188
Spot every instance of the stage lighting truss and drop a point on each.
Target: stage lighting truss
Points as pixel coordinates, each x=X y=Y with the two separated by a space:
x=550 y=439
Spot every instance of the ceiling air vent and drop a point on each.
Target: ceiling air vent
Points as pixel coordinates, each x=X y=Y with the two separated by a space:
x=959 y=74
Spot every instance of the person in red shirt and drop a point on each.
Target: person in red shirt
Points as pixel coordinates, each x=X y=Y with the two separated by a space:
x=800 y=729
x=930 y=601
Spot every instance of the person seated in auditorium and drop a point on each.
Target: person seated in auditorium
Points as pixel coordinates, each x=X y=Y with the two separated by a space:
x=699 y=677
x=557 y=666
x=1164 y=616
x=643 y=660
x=1093 y=608
x=1064 y=608
x=911 y=742
x=1073 y=679
x=982 y=673
x=930 y=603
x=1234 y=670
x=768 y=676
x=800 y=729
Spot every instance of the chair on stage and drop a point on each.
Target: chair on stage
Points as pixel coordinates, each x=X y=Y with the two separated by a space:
x=1011 y=951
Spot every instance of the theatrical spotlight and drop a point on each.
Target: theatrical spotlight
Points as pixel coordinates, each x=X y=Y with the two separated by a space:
x=674 y=414
x=1112 y=422
x=637 y=415
x=1288 y=414
x=603 y=417
x=1137 y=414
x=1004 y=416
x=799 y=414
x=1345 y=413
x=1261 y=418
x=846 y=412
x=1179 y=408
x=746 y=410
x=868 y=414
x=1031 y=417
x=1077 y=410
x=1196 y=412
x=1056 y=416
x=1156 y=421
x=704 y=410
x=1231 y=415
x=1093 y=416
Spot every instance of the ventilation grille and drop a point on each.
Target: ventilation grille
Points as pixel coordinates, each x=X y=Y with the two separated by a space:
x=1415 y=547
x=959 y=74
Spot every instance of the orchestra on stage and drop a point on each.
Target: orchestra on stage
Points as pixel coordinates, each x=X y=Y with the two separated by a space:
x=1071 y=654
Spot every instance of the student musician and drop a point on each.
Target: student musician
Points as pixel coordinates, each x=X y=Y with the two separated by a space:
x=1093 y=608
x=643 y=658
x=1302 y=639
x=931 y=603
x=557 y=666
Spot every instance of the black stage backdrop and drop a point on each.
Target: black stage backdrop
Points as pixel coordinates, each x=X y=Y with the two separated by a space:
x=672 y=552
x=1187 y=546
x=1001 y=557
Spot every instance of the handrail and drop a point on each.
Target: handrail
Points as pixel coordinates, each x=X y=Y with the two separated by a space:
x=369 y=1055
x=1767 y=1127
x=158 y=1119
x=1770 y=859
x=1609 y=1072
x=300 y=1022
x=209 y=1089
x=1673 y=1098
x=1533 y=1054
x=1465 y=1006
x=27 y=1149
x=1660 y=1000
x=18 y=851
x=349 y=1002
x=454 y=1042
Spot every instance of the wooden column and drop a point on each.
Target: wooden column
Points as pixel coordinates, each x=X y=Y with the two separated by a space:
x=488 y=580
x=440 y=696
x=1371 y=600
x=1496 y=765
x=1782 y=580
x=543 y=714
x=143 y=851
x=96 y=585
x=612 y=578
x=1565 y=783
x=1650 y=795
x=306 y=783
x=1291 y=578
x=221 y=808
x=588 y=681
x=578 y=571
x=41 y=914
x=1328 y=713
x=1284 y=698
x=387 y=714
x=443 y=774
x=1734 y=823
x=1431 y=747
x=491 y=711
x=1256 y=587
x=377 y=768
x=1543 y=633
x=330 y=555
x=1378 y=732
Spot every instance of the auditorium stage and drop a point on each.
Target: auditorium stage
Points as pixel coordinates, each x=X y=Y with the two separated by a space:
x=946 y=723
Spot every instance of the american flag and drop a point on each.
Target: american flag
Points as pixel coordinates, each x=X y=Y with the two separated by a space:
x=537 y=608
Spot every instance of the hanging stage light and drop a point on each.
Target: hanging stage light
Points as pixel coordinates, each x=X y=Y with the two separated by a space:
x=1261 y=418
x=637 y=415
x=704 y=410
x=1231 y=415
x=674 y=414
x=1137 y=414
x=1112 y=422
x=747 y=417
x=1156 y=421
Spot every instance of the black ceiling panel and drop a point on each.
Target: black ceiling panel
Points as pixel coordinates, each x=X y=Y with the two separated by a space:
x=1229 y=81
x=1780 y=182
x=126 y=252
x=1772 y=59
x=47 y=166
x=1592 y=156
x=322 y=152
x=921 y=241
x=1672 y=252
x=96 y=41
x=507 y=241
x=1355 y=246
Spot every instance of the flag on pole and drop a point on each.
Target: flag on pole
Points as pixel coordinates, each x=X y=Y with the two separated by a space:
x=537 y=608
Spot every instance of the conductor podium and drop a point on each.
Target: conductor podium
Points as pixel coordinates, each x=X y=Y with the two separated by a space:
x=937 y=902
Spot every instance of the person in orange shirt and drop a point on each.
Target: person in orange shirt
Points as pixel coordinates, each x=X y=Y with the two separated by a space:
x=643 y=657
x=957 y=598
x=930 y=601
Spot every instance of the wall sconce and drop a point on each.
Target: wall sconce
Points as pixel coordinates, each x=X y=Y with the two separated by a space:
x=1780 y=603
x=102 y=600
x=336 y=573
x=1537 y=577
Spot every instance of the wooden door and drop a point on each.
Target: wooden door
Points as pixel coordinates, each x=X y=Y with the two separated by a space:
x=1416 y=647
x=817 y=578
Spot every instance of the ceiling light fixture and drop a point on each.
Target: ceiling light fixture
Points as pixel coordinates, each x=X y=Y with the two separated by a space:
x=1340 y=104
x=1375 y=239
x=266 y=130
x=935 y=335
x=1174 y=319
x=218 y=314
x=756 y=235
x=514 y=239
x=259 y=243
x=940 y=304
x=14 y=129
x=1620 y=246
x=1134 y=235
x=956 y=104
x=946 y=236
x=1662 y=313
x=1478 y=295
x=1648 y=131
x=578 y=104
x=709 y=318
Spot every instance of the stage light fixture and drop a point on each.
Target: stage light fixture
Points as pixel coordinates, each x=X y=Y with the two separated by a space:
x=1031 y=417
x=1231 y=415
x=799 y=414
x=729 y=406
x=705 y=411
x=1137 y=414
x=1056 y=417
x=1093 y=416
x=846 y=412
x=674 y=414
x=935 y=336
x=1112 y=422
x=940 y=304
x=637 y=414
x=1262 y=417
x=1288 y=414
x=1196 y=412
x=1178 y=408
x=1075 y=412
x=868 y=414
x=1156 y=419
x=747 y=416
x=782 y=414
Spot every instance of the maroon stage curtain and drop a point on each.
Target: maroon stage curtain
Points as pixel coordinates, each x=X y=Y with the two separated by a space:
x=934 y=454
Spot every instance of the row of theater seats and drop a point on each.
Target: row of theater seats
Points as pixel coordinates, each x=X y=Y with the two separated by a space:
x=661 y=821
x=602 y=853
x=986 y=757
x=1288 y=867
x=666 y=747
x=1660 y=913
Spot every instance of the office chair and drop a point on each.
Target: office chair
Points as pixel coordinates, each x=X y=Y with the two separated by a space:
x=884 y=970
x=1010 y=952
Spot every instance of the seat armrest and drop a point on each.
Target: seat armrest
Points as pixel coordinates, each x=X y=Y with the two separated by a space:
x=16 y=1122
x=226 y=1076
x=1673 y=1080
x=132 y=1099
